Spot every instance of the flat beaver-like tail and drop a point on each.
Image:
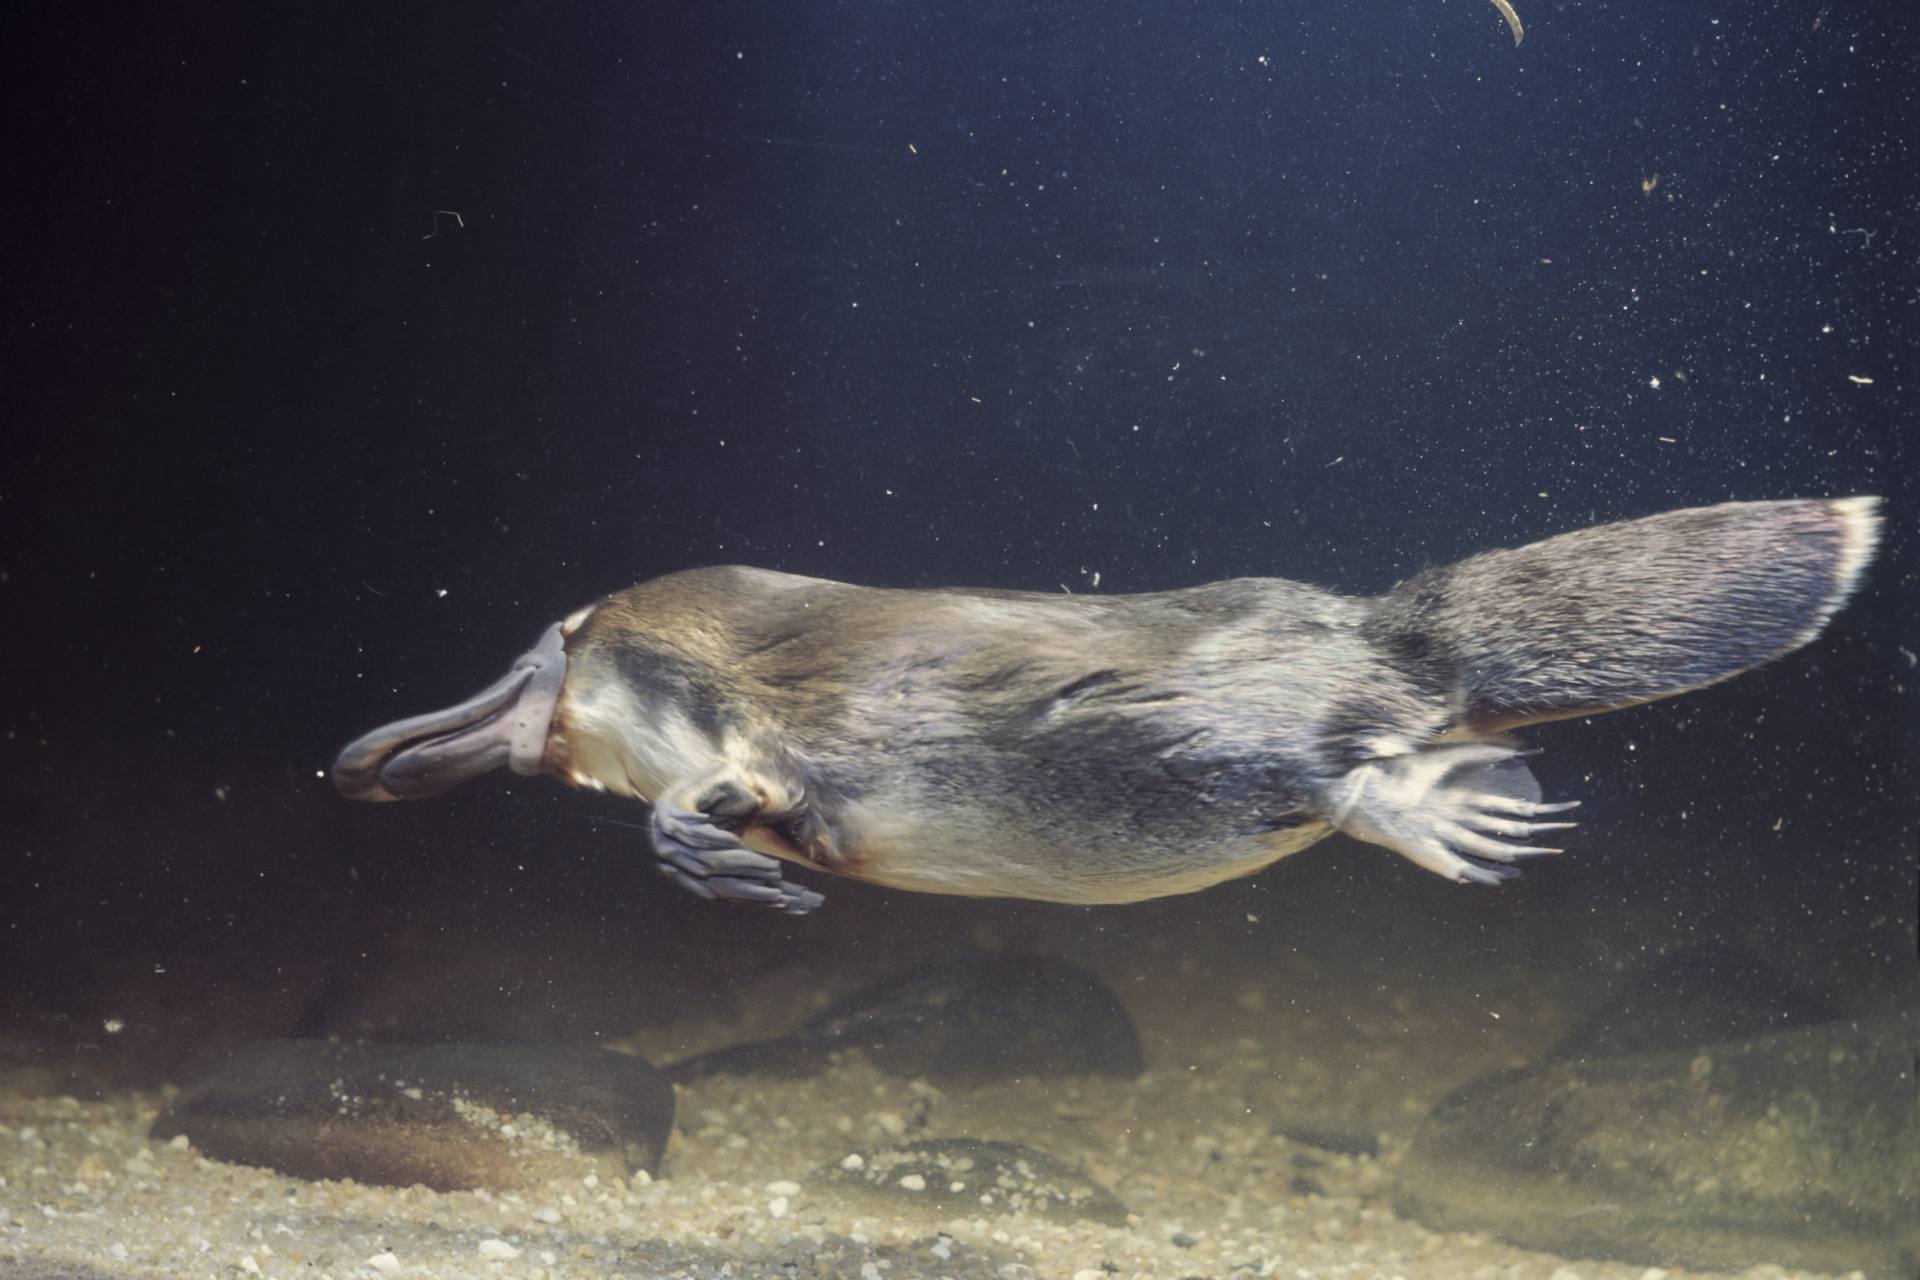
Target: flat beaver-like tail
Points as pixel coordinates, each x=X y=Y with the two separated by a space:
x=1626 y=613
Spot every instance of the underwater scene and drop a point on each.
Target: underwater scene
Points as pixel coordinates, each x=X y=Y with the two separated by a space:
x=1008 y=641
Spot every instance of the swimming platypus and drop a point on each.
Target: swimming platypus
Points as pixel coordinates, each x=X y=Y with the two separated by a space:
x=1076 y=748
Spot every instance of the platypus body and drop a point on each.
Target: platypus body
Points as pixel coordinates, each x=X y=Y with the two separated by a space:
x=1090 y=749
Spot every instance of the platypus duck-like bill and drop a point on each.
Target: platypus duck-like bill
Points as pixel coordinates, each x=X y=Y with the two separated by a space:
x=505 y=723
x=1115 y=748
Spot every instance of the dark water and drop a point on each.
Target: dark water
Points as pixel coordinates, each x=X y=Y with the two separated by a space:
x=346 y=347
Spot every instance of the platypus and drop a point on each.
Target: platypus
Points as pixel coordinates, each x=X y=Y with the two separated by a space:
x=1105 y=749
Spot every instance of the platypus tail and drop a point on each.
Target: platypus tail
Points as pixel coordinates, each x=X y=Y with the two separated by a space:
x=1626 y=613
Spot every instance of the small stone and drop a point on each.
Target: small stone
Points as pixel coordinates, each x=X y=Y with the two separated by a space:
x=777 y=1207
x=868 y=1271
x=547 y=1214
x=248 y=1265
x=962 y=1176
x=385 y=1262
x=497 y=1249
x=783 y=1188
x=853 y=1162
x=179 y=1143
x=1015 y=1271
x=1654 y=1273
x=1089 y=1273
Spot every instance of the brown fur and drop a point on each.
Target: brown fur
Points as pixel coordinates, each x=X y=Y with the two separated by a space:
x=1106 y=748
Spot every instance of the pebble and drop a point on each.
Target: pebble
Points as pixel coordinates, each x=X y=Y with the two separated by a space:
x=783 y=1188
x=777 y=1207
x=497 y=1249
x=386 y=1263
x=963 y=1176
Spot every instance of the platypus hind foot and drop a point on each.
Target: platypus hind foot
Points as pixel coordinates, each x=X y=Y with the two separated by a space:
x=1463 y=811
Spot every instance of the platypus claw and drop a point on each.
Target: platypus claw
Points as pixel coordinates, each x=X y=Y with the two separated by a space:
x=789 y=899
x=710 y=862
x=1461 y=811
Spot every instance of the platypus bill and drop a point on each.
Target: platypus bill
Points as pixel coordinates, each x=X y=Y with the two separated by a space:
x=1117 y=748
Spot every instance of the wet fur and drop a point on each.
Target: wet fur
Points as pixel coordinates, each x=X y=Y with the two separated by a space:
x=1114 y=748
x=957 y=740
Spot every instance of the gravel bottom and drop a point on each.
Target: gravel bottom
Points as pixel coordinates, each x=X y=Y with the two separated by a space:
x=81 y=1187
x=1242 y=1152
x=1211 y=1193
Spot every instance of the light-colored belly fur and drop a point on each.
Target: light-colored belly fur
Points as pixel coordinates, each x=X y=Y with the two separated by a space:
x=973 y=855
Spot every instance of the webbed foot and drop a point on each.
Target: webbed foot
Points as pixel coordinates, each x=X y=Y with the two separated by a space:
x=1463 y=811
x=694 y=832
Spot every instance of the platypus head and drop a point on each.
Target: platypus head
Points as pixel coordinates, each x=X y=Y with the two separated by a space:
x=505 y=723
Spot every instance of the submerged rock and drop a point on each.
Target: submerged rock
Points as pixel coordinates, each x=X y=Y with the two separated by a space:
x=448 y=1116
x=977 y=1019
x=951 y=1177
x=1801 y=1149
x=1697 y=995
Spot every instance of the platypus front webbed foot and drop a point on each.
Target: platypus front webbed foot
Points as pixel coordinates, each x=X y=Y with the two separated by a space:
x=1463 y=811
x=699 y=852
